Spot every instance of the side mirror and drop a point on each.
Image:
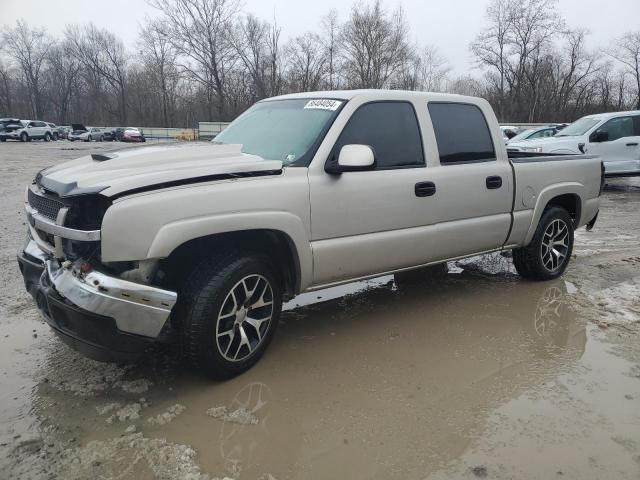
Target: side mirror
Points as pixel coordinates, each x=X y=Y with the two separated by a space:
x=599 y=136
x=352 y=158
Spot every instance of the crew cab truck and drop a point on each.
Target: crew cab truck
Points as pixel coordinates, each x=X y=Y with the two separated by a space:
x=614 y=136
x=200 y=243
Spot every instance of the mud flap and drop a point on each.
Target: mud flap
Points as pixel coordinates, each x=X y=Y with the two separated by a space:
x=590 y=225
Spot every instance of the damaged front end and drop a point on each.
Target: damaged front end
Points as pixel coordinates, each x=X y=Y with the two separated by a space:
x=107 y=311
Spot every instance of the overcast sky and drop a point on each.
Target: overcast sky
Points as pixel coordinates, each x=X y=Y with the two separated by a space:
x=448 y=24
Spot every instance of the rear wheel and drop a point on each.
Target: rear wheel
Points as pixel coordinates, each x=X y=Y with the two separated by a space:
x=548 y=254
x=228 y=313
x=47 y=137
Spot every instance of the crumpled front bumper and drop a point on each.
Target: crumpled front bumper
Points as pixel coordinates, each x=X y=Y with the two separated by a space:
x=105 y=317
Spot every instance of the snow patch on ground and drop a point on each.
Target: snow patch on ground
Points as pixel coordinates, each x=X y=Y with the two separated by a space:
x=621 y=302
x=241 y=415
x=134 y=386
x=127 y=457
x=171 y=413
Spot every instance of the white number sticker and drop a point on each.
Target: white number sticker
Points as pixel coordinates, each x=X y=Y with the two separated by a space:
x=323 y=104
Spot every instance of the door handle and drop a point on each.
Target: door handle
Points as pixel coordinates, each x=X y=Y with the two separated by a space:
x=494 y=182
x=632 y=144
x=425 y=189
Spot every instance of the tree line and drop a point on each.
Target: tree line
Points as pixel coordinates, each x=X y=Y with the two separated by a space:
x=209 y=60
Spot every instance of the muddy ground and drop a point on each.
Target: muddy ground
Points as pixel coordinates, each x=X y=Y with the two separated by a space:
x=474 y=374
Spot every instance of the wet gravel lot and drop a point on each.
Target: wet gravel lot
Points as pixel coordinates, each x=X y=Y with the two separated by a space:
x=473 y=373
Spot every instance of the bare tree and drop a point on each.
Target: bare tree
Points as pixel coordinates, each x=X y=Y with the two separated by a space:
x=491 y=47
x=5 y=88
x=159 y=58
x=375 y=45
x=306 y=63
x=101 y=52
x=28 y=48
x=627 y=52
x=331 y=42
x=199 y=30
x=62 y=80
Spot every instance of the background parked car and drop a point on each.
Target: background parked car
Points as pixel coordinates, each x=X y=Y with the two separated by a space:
x=97 y=134
x=29 y=130
x=132 y=134
x=78 y=132
x=533 y=133
x=8 y=125
x=108 y=135
x=55 y=131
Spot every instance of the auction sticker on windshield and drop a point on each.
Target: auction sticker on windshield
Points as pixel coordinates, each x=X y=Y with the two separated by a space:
x=323 y=104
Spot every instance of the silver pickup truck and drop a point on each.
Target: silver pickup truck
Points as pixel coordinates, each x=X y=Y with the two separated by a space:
x=200 y=243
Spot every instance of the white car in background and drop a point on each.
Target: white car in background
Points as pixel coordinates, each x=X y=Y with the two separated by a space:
x=613 y=136
x=533 y=134
x=79 y=132
x=29 y=130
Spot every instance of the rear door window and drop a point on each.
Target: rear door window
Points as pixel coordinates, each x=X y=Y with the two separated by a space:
x=390 y=129
x=462 y=133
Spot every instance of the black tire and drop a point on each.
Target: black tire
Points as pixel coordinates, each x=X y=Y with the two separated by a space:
x=56 y=137
x=3 y=139
x=24 y=137
x=533 y=262
x=206 y=292
x=47 y=137
x=102 y=138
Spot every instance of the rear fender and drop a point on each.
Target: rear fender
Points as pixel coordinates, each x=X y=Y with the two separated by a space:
x=548 y=194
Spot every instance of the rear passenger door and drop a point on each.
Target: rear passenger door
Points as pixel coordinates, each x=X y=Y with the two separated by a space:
x=368 y=222
x=474 y=186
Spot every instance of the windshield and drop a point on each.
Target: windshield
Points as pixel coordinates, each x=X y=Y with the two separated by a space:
x=282 y=129
x=579 y=127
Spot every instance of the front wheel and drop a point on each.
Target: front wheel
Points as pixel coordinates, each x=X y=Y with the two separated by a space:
x=47 y=137
x=228 y=313
x=24 y=137
x=548 y=254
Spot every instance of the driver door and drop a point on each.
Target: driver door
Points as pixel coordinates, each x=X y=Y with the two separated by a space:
x=369 y=222
x=620 y=151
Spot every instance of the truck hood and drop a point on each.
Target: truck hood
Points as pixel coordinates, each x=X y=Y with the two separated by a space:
x=550 y=144
x=152 y=167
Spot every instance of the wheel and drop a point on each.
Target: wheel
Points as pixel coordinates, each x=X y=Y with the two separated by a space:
x=47 y=137
x=102 y=138
x=3 y=139
x=88 y=139
x=56 y=137
x=548 y=254
x=24 y=137
x=228 y=312
x=72 y=140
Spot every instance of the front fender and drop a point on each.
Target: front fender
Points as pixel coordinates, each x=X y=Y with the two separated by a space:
x=546 y=195
x=171 y=235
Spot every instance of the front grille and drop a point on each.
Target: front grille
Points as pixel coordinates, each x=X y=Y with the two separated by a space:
x=44 y=205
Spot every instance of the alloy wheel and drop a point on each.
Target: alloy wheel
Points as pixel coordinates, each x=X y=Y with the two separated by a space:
x=555 y=245
x=244 y=318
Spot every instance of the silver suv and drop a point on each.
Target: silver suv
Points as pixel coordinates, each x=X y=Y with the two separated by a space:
x=28 y=130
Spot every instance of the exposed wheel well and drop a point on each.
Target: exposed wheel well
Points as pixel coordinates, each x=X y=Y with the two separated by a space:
x=272 y=243
x=570 y=202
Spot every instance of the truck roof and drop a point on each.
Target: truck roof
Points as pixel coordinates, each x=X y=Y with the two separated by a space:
x=607 y=115
x=379 y=94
